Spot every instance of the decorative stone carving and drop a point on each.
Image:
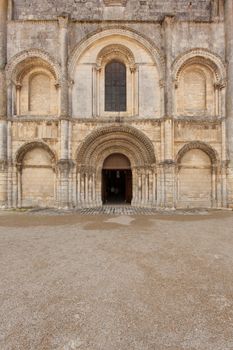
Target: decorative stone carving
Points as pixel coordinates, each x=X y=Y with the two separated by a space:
x=115 y=2
x=202 y=57
x=34 y=56
x=31 y=145
x=154 y=52
x=118 y=51
x=63 y=20
x=125 y=132
x=198 y=145
x=64 y=166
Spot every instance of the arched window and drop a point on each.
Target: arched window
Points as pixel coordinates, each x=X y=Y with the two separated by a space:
x=115 y=87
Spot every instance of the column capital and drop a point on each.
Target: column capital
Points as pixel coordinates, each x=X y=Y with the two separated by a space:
x=3 y=165
x=220 y=84
x=167 y=163
x=168 y=20
x=63 y=20
x=64 y=117
x=65 y=165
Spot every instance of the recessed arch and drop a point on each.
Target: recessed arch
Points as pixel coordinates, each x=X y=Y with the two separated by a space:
x=28 y=58
x=204 y=98
x=123 y=32
x=115 y=51
x=202 y=57
x=20 y=70
x=197 y=171
x=198 y=145
x=104 y=142
x=120 y=136
x=36 y=174
x=20 y=154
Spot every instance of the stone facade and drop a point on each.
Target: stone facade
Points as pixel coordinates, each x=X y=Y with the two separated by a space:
x=176 y=131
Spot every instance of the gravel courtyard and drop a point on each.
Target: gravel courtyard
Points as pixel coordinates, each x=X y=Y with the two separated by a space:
x=128 y=282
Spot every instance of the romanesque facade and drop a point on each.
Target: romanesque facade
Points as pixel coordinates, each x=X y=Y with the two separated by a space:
x=123 y=101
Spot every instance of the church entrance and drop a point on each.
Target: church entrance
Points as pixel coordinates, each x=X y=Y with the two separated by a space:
x=117 y=180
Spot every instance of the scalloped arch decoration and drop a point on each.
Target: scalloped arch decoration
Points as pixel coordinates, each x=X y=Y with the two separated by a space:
x=202 y=57
x=117 y=50
x=17 y=63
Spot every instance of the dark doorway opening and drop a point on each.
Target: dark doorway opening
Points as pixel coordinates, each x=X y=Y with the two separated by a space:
x=117 y=186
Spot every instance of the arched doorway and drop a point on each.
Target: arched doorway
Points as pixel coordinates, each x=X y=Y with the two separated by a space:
x=117 y=148
x=116 y=180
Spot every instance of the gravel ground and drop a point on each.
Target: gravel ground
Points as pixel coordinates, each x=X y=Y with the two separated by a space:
x=125 y=282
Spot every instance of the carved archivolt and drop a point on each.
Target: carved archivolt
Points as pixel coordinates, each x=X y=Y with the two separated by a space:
x=198 y=145
x=20 y=154
x=120 y=52
x=202 y=57
x=35 y=67
x=28 y=59
x=119 y=139
x=124 y=32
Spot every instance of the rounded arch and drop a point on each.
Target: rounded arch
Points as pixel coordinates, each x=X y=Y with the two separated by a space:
x=92 y=38
x=201 y=146
x=24 y=149
x=122 y=139
x=202 y=57
x=39 y=71
x=28 y=59
x=111 y=52
x=117 y=161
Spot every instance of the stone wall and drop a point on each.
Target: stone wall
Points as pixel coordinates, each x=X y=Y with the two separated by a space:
x=55 y=131
x=199 y=10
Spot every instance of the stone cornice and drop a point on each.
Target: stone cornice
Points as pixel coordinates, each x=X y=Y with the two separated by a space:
x=195 y=120
x=115 y=2
x=102 y=20
x=115 y=121
x=33 y=119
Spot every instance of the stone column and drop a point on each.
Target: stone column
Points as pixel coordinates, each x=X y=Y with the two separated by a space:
x=64 y=162
x=65 y=167
x=229 y=94
x=3 y=104
x=168 y=125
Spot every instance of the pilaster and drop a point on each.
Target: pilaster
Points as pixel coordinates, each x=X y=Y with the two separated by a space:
x=65 y=167
x=229 y=94
x=3 y=104
x=65 y=124
x=167 y=128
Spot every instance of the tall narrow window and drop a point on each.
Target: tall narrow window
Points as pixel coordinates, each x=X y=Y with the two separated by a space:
x=115 y=87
